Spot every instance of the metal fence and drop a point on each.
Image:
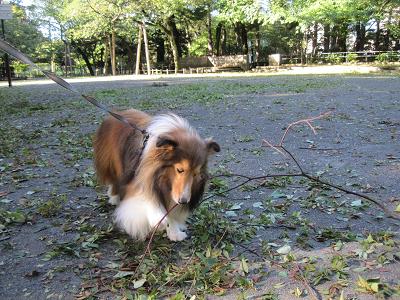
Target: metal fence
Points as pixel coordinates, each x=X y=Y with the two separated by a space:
x=344 y=57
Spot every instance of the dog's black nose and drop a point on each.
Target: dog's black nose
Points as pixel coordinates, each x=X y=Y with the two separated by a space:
x=183 y=200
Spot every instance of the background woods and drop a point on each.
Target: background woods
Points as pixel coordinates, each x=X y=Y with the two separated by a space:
x=101 y=37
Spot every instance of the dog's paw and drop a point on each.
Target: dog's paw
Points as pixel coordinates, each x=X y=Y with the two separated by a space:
x=113 y=200
x=182 y=226
x=176 y=235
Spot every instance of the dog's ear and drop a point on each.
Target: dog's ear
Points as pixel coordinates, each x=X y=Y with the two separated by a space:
x=212 y=146
x=166 y=143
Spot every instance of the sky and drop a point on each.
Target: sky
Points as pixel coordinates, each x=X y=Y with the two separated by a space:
x=28 y=2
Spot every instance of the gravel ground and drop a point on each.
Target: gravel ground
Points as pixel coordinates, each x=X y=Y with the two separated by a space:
x=48 y=192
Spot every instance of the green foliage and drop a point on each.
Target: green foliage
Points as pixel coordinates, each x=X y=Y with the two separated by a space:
x=199 y=45
x=382 y=58
x=178 y=28
x=51 y=207
x=9 y=217
x=19 y=67
x=387 y=57
x=23 y=32
x=376 y=287
x=334 y=58
x=240 y=11
x=352 y=57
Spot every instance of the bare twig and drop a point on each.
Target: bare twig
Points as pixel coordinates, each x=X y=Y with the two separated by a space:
x=285 y=152
x=248 y=179
x=307 y=121
x=154 y=230
x=311 y=290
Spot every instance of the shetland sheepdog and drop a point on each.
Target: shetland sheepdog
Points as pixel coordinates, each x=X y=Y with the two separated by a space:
x=145 y=184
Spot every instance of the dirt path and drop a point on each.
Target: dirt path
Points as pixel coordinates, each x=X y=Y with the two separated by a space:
x=285 y=239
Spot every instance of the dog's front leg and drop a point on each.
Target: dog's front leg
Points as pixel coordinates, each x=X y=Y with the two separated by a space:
x=177 y=224
x=174 y=231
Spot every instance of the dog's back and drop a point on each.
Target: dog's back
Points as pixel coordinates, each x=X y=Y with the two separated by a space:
x=115 y=144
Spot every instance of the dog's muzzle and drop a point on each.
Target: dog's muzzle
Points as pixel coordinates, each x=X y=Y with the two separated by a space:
x=183 y=201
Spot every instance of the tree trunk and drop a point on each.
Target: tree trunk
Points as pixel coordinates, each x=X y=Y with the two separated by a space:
x=386 y=37
x=69 y=57
x=53 y=63
x=130 y=55
x=113 y=57
x=100 y=64
x=360 y=36
x=333 y=40
x=172 y=40
x=107 y=43
x=258 y=43
x=245 y=45
x=327 y=37
x=146 y=49
x=342 y=37
x=303 y=48
x=314 y=49
x=210 y=44
x=218 y=32
x=397 y=44
x=66 y=58
x=224 y=40
x=160 y=48
x=139 y=46
x=238 y=38
x=84 y=57
x=377 y=36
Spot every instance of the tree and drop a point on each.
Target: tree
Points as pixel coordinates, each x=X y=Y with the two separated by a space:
x=22 y=31
x=96 y=19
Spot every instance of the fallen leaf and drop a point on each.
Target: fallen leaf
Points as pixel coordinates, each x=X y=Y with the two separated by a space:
x=356 y=203
x=122 y=274
x=284 y=250
x=139 y=283
x=258 y=205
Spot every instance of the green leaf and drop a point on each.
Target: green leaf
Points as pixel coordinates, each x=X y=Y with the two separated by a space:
x=375 y=287
x=276 y=195
x=258 y=205
x=356 y=203
x=370 y=239
x=139 y=283
x=236 y=206
x=244 y=265
x=298 y=292
x=284 y=250
x=122 y=274
x=338 y=246
x=279 y=285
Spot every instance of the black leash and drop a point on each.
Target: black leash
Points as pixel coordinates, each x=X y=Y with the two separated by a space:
x=11 y=50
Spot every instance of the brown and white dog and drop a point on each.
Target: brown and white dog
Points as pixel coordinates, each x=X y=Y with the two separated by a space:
x=171 y=169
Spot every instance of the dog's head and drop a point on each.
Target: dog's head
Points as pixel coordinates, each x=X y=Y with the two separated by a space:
x=183 y=172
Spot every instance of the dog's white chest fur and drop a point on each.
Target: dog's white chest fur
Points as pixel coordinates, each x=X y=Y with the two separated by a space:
x=138 y=215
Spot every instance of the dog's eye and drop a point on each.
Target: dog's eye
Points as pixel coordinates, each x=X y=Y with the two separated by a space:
x=179 y=170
